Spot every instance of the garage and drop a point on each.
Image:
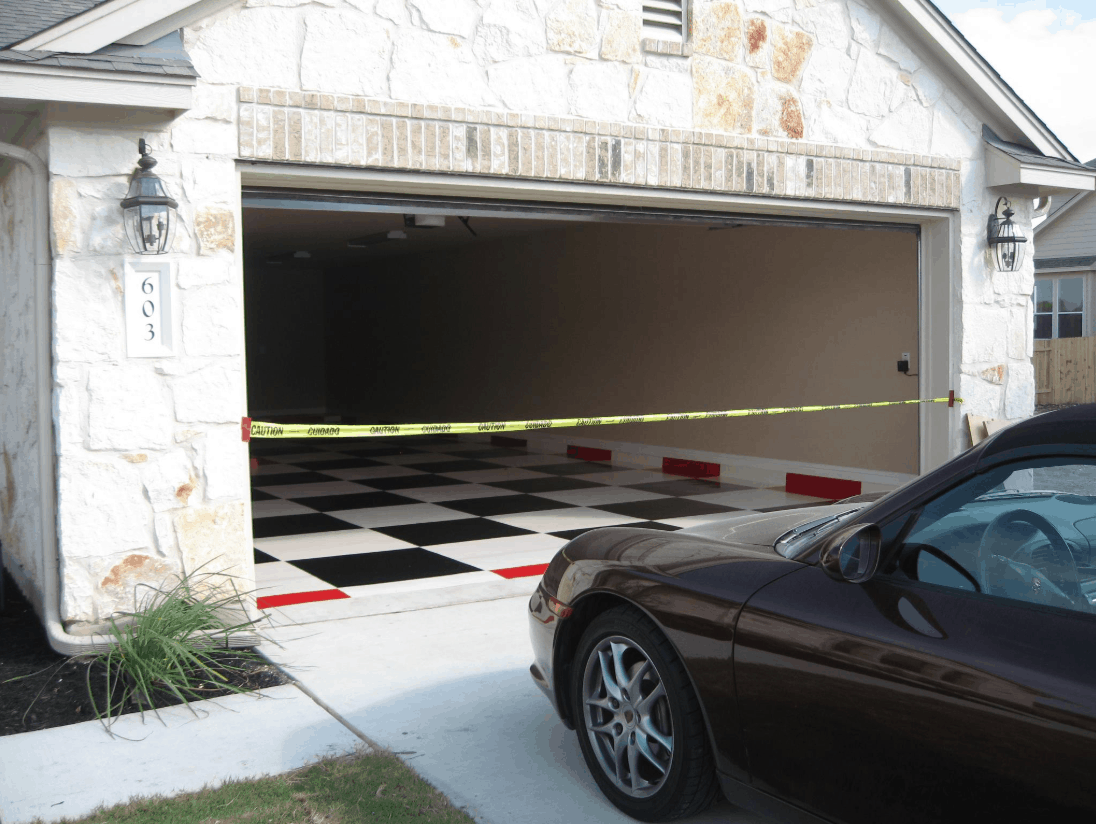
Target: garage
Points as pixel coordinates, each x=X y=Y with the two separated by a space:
x=383 y=310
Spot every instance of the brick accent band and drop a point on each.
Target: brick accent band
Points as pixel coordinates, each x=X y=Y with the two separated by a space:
x=338 y=130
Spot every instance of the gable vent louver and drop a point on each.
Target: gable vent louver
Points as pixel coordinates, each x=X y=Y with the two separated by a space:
x=664 y=20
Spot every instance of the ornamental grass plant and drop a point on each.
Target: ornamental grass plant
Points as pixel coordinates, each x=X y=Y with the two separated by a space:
x=174 y=643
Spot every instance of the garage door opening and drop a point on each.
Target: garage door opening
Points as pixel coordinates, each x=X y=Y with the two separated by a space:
x=382 y=311
x=401 y=312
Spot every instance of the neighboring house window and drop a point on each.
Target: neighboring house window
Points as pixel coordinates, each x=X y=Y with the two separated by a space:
x=665 y=20
x=1059 y=307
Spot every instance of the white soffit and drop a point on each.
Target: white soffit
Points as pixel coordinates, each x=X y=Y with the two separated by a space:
x=1008 y=172
x=146 y=91
x=135 y=22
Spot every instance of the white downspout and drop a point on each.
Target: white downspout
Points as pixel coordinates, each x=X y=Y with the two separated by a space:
x=60 y=640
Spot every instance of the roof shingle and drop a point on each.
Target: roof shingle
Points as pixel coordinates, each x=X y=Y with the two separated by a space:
x=19 y=19
x=103 y=62
x=1064 y=262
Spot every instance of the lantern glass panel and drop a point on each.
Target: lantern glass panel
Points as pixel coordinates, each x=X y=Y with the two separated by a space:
x=1009 y=253
x=150 y=228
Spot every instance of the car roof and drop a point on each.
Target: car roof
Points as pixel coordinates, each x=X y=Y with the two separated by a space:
x=1073 y=425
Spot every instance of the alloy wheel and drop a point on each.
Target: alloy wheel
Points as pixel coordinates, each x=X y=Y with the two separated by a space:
x=627 y=716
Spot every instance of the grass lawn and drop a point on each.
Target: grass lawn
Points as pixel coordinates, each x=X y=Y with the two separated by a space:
x=369 y=788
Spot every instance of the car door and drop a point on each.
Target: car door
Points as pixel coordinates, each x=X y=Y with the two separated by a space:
x=917 y=696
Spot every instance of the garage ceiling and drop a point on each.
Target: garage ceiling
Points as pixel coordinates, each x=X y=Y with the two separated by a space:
x=278 y=233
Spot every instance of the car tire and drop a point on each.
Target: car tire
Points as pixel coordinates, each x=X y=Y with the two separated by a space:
x=669 y=782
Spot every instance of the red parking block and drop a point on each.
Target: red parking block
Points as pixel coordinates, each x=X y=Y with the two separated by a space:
x=690 y=469
x=819 y=486
x=589 y=453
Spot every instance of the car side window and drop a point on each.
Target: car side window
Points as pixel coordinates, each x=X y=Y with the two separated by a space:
x=1024 y=531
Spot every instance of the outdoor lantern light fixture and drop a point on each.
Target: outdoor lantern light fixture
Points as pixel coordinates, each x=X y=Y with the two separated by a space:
x=148 y=211
x=1005 y=243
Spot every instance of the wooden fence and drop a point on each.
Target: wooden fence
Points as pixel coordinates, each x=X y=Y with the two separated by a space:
x=1065 y=370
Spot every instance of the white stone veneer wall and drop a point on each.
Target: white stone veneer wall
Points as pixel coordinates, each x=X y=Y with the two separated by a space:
x=152 y=471
x=135 y=435
x=20 y=524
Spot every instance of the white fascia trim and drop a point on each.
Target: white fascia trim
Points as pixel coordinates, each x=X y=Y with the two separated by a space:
x=100 y=26
x=1005 y=171
x=341 y=178
x=929 y=20
x=181 y=18
x=1069 y=204
x=23 y=82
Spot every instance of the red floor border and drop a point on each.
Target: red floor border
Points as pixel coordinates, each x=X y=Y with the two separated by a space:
x=269 y=601
x=521 y=571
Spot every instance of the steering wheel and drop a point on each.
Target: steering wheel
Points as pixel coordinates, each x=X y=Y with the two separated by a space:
x=1058 y=583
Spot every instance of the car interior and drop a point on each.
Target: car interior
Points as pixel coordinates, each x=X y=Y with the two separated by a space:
x=1025 y=531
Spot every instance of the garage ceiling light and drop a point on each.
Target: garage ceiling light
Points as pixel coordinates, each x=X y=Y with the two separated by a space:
x=1006 y=244
x=379 y=237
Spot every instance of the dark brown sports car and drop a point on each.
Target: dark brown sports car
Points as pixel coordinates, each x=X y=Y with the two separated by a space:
x=928 y=656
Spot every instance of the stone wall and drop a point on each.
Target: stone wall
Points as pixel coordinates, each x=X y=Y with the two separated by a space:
x=152 y=471
x=837 y=73
x=20 y=524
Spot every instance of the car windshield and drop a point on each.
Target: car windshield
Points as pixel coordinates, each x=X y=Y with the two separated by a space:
x=791 y=542
x=1044 y=481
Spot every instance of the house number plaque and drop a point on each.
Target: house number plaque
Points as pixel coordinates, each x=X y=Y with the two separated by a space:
x=148 y=293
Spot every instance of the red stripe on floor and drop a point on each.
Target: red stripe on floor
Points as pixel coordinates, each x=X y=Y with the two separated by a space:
x=268 y=601
x=502 y=440
x=588 y=453
x=522 y=572
x=690 y=469
x=821 y=487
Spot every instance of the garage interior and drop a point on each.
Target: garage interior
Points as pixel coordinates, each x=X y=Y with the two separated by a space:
x=386 y=310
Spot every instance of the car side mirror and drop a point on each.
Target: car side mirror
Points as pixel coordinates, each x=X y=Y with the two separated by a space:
x=852 y=554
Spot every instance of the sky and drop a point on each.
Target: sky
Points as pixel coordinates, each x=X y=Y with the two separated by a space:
x=1046 y=52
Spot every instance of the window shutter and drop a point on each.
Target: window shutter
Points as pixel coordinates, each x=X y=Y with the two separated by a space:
x=665 y=20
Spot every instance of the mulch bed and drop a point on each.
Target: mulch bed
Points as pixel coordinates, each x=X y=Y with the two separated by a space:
x=56 y=691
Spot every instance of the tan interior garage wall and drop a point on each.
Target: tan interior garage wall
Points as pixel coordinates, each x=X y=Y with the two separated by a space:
x=622 y=319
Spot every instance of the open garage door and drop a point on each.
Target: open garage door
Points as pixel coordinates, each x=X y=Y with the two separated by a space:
x=388 y=310
x=374 y=310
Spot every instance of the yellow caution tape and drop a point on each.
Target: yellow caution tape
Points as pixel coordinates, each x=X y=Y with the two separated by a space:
x=258 y=429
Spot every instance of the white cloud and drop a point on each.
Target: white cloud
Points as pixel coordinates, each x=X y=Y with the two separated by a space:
x=1048 y=57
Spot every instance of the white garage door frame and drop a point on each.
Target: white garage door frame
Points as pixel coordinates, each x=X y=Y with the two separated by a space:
x=938 y=248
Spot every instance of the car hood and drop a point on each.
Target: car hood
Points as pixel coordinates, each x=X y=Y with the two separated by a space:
x=763 y=528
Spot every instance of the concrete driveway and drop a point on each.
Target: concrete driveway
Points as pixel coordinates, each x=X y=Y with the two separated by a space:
x=449 y=689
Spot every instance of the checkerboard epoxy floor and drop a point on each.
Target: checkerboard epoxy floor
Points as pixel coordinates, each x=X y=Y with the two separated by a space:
x=349 y=527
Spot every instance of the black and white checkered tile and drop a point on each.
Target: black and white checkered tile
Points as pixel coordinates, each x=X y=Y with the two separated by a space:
x=336 y=520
